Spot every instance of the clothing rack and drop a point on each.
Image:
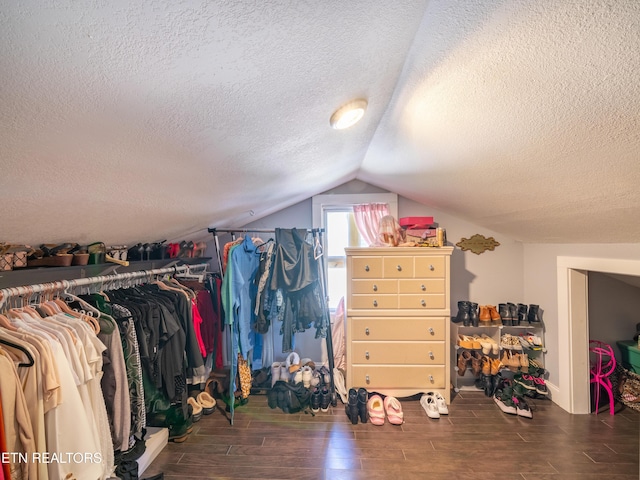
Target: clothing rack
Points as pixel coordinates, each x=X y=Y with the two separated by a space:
x=317 y=234
x=63 y=285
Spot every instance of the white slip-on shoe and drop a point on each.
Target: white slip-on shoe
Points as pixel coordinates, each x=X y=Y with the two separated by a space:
x=307 y=374
x=441 y=404
x=285 y=376
x=275 y=373
x=428 y=402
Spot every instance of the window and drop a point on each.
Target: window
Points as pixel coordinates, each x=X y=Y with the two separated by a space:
x=334 y=213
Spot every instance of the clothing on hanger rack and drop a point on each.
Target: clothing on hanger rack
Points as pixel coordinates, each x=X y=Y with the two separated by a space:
x=56 y=343
x=293 y=299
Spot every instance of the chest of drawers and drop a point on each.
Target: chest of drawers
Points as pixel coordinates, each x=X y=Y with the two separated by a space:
x=398 y=320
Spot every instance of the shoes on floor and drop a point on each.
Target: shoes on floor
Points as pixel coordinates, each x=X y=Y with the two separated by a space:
x=363 y=411
x=393 y=410
x=440 y=402
x=325 y=399
x=196 y=409
x=351 y=407
x=207 y=402
x=375 y=409
x=315 y=400
x=429 y=405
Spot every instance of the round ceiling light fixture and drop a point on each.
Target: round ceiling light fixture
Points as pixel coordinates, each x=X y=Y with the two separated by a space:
x=348 y=114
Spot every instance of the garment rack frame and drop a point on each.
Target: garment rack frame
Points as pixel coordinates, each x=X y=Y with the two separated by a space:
x=317 y=234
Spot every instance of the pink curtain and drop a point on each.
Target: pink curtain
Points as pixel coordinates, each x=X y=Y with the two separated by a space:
x=367 y=216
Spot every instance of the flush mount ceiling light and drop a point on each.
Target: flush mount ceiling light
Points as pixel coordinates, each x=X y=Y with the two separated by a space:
x=348 y=114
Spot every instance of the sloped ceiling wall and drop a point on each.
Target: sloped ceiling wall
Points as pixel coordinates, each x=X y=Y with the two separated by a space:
x=155 y=119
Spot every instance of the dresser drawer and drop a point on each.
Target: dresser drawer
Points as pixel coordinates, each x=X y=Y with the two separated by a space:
x=397 y=267
x=430 y=267
x=426 y=285
x=366 y=267
x=373 y=301
x=398 y=353
x=374 y=286
x=394 y=328
x=424 y=301
x=405 y=376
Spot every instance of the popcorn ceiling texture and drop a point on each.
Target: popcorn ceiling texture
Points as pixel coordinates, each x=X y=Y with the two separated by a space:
x=155 y=119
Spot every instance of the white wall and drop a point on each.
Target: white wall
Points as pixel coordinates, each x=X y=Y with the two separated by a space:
x=489 y=278
x=614 y=309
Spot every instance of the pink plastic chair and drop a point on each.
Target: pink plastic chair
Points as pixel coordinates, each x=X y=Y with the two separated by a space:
x=603 y=363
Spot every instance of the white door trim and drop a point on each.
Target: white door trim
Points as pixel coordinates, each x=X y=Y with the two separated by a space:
x=573 y=325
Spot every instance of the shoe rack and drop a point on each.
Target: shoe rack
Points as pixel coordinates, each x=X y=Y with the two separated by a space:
x=495 y=332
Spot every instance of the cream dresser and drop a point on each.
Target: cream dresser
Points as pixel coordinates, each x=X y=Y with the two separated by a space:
x=398 y=320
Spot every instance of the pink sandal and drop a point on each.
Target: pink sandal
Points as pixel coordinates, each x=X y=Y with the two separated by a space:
x=375 y=408
x=393 y=409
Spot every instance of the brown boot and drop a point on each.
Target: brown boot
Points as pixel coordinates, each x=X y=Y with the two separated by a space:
x=493 y=313
x=486 y=365
x=476 y=363
x=464 y=357
x=484 y=315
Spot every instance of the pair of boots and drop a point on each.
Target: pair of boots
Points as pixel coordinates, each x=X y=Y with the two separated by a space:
x=467 y=314
x=513 y=315
x=471 y=359
x=356 y=407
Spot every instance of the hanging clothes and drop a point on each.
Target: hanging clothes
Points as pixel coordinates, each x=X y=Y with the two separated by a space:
x=296 y=275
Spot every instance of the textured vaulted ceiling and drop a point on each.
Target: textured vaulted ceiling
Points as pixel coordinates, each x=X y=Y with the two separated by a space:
x=139 y=121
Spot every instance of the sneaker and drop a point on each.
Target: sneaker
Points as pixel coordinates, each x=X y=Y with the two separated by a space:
x=325 y=400
x=510 y=342
x=522 y=407
x=440 y=402
x=505 y=403
x=540 y=386
x=428 y=402
x=315 y=400
x=525 y=380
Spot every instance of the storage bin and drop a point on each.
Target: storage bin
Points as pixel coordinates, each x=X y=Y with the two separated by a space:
x=630 y=355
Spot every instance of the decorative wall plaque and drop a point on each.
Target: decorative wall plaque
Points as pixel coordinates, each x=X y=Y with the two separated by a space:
x=478 y=244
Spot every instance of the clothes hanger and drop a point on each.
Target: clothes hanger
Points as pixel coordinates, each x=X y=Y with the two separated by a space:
x=317 y=249
x=22 y=349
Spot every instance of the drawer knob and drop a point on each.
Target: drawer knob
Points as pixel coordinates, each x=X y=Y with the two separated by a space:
x=399 y=268
x=375 y=288
x=432 y=268
x=366 y=331
x=366 y=379
x=423 y=288
x=431 y=331
x=366 y=355
x=366 y=268
x=431 y=356
x=423 y=303
x=431 y=378
x=375 y=303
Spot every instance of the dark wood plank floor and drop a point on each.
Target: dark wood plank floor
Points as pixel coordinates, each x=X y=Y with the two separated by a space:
x=475 y=441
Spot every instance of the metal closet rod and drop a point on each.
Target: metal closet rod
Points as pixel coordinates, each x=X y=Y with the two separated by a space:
x=65 y=284
x=257 y=230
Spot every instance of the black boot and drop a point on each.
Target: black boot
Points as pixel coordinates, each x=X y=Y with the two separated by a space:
x=534 y=314
x=463 y=313
x=513 y=313
x=473 y=314
x=522 y=313
x=505 y=315
x=351 y=408
x=363 y=398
